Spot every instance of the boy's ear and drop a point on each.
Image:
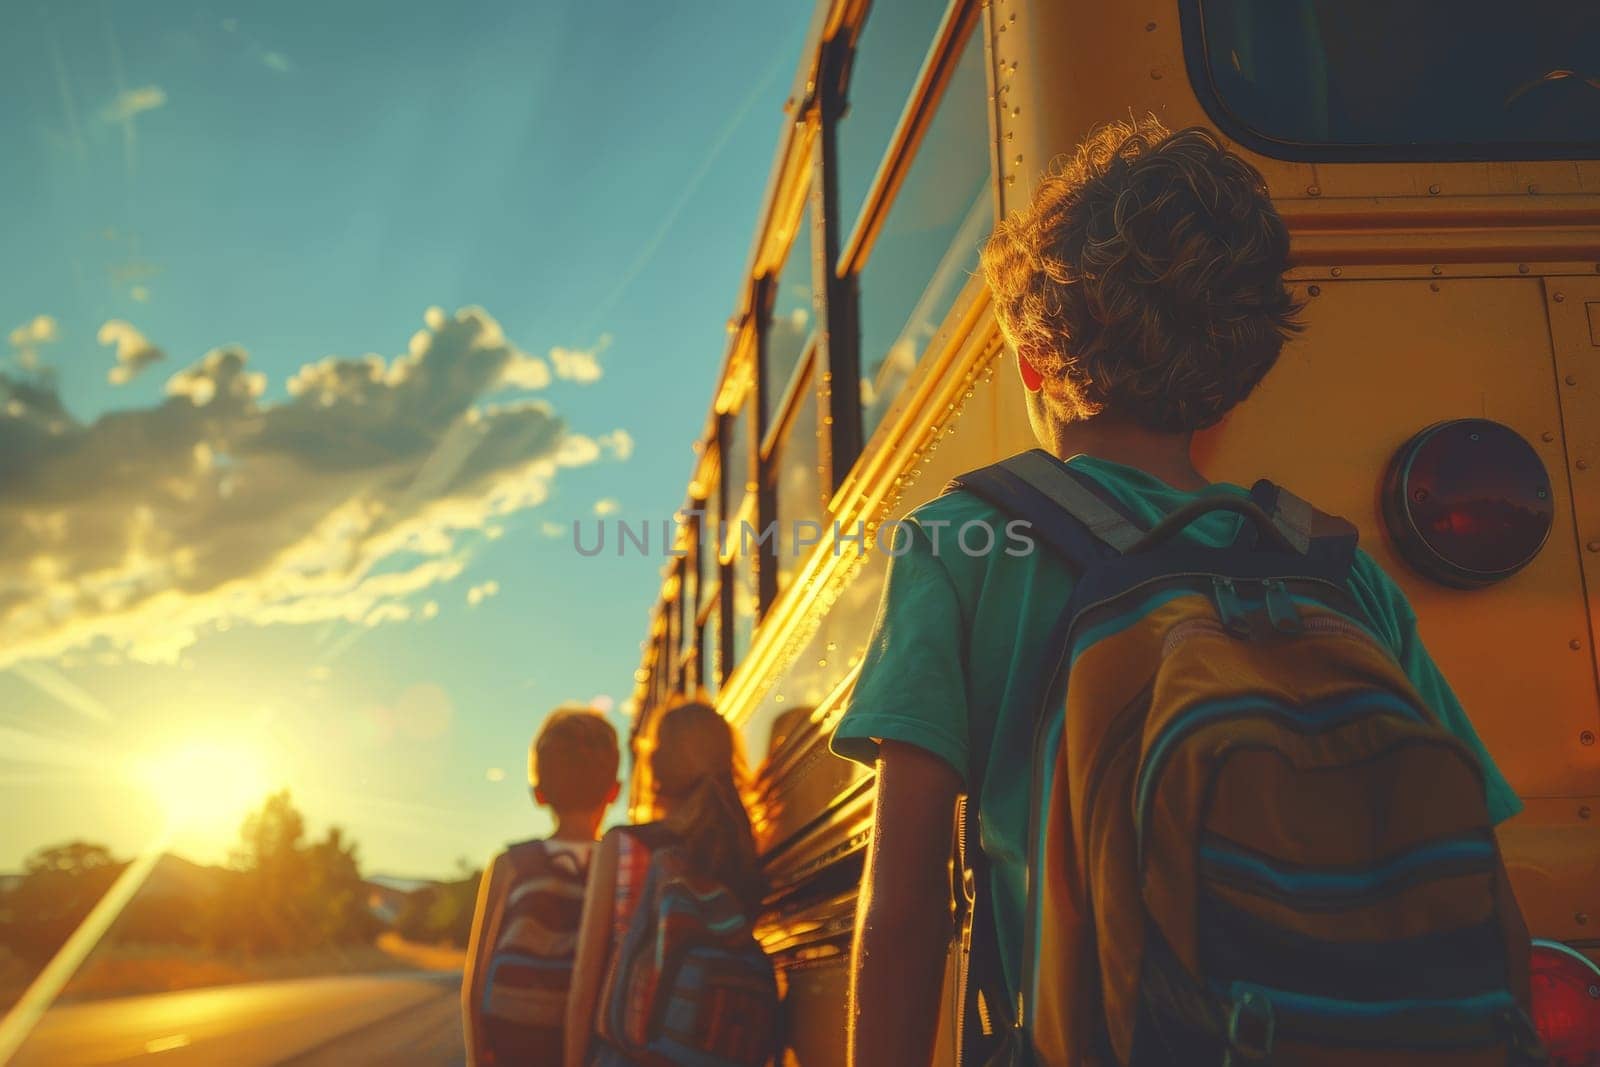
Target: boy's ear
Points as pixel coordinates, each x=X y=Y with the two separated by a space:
x=616 y=787
x=1032 y=380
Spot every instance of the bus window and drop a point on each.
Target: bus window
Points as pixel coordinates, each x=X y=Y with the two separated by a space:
x=736 y=459
x=1473 y=79
x=939 y=218
x=795 y=457
x=712 y=537
x=743 y=577
x=791 y=323
x=711 y=643
x=888 y=55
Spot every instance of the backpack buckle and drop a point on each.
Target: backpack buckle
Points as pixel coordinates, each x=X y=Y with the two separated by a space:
x=1252 y=1028
x=1281 y=612
x=1230 y=606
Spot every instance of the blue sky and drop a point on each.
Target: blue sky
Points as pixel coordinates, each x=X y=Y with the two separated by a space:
x=227 y=528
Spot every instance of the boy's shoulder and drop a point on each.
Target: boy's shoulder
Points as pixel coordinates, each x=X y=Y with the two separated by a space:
x=958 y=506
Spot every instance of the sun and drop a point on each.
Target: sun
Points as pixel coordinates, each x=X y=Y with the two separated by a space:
x=205 y=787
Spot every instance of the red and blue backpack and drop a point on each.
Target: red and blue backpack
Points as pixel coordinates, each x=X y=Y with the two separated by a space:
x=1250 y=840
x=688 y=982
x=530 y=966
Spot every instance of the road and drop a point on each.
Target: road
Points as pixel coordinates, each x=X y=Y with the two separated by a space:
x=406 y=1019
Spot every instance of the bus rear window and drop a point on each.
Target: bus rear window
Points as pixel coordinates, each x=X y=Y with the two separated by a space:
x=1401 y=79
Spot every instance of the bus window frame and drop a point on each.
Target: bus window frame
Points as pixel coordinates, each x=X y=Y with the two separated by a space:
x=1197 y=67
x=961 y=19
x=806 y=379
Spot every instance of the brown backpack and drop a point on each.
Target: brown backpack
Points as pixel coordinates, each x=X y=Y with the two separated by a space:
x=1251 y=842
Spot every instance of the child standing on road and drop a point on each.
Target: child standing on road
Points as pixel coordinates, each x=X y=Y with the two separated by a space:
x=524 y=932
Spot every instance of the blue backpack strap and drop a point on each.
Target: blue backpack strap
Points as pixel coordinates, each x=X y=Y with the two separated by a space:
x=1313 y=533
x=1065 y=511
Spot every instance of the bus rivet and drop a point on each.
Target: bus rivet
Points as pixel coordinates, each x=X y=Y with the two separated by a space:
x=1337 y=272
x=1575 y=644
x=1313 y=190
x=1522 y=268
x=1433 y=190
x=1582 y=918
x=1533 y=188
x=1587 y=737
x=1433 y=287
x=1547 y=437
x=1149 y=27
x=1315 y=290
x=1155 y=75
x=1594 y=546
x=1571 y=379
x=1438 y=270
x=1558 y=297
x=1583 y=464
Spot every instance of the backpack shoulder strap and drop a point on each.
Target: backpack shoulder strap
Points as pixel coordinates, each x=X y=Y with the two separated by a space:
x=1313 y=533
x=1065 y=509
x=528 y=859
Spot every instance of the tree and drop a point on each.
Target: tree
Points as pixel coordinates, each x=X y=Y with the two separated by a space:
x=441 y=913
x=290 y=896
x=60 y=886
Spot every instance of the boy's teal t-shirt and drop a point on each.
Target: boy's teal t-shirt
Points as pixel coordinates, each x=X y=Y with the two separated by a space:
x=955 y=631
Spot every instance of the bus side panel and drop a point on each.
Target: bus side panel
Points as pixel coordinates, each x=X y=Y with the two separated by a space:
x=1379 y=361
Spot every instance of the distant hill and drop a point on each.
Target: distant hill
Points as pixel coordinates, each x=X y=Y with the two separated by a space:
x=401 y=885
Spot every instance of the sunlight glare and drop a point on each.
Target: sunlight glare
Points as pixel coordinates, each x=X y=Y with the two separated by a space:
x=207 y=786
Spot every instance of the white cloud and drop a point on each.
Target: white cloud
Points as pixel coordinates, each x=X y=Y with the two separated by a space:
x=135 y=534
x=483 y=591
x=125 y=105
x=276 y=61
x=30 y=337
x=526 y=372
x=39 y=330
x=552 y=529
x=618 y=442
x=581 y=365
x=219 y=374
x=134 y=352
x=607 y=506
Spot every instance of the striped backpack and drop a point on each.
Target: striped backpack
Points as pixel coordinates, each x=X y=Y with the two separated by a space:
x=530 y=967
x=688 y=983
x=1250 y=841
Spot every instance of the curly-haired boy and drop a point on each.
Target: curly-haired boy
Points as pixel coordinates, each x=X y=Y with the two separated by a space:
x=1143 y=295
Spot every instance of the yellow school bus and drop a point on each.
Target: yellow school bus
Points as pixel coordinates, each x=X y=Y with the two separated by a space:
x=1440 y=173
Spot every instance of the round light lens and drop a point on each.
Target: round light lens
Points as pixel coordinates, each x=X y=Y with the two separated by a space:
x=1467 y=502
x=1566 y=1004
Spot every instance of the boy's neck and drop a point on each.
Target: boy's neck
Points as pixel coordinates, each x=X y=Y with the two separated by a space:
x=578 y=828
x=1161 y=455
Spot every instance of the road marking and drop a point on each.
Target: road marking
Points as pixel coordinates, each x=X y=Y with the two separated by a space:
x=166 y=1044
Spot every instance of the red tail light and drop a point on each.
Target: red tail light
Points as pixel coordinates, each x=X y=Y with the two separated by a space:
x=1566 y=1005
